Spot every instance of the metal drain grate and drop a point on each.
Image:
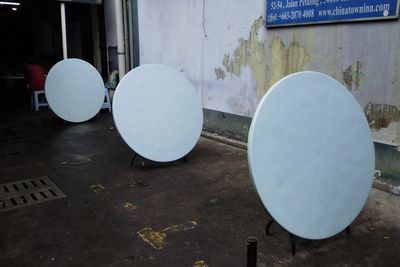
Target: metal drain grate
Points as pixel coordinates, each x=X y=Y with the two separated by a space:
x=27 y=192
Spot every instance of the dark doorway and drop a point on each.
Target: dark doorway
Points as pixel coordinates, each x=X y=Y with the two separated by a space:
x=32 y=32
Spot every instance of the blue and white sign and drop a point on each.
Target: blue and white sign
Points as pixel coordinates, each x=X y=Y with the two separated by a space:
x=295 y=12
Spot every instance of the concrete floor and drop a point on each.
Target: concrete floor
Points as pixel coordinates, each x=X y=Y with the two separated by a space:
x=197 y=213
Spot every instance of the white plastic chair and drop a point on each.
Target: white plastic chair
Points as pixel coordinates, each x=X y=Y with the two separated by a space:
x=36 y=100
x=107 y=102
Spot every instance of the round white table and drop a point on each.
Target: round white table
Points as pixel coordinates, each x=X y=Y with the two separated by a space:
x=158 y=112
x=74 y=90
x=311 y=155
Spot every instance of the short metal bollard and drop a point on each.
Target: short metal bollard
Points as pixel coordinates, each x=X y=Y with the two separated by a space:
x=251 y=252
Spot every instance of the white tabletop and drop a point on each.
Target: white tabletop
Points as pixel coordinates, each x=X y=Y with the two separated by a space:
x=74 y=90
x=311 y=155
x=158 y=112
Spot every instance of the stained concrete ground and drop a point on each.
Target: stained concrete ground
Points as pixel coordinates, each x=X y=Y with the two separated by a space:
x=197 y=213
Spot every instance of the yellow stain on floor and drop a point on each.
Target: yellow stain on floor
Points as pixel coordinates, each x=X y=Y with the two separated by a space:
x=155 y=239
x=129 y=206
x=158 y=239
x=97 y=188
x=200 y=263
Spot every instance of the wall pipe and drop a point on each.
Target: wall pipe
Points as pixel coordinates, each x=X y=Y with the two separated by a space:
x=120 y=38
x=64 y=31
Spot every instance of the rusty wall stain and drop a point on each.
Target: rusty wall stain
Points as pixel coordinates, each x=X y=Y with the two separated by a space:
x=278 y=61
x=250 y=52
x=220 y=73
x=381 y=115
x=285 y=61
x=353 y=76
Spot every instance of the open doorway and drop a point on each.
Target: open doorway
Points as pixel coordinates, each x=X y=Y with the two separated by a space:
x=31 y=32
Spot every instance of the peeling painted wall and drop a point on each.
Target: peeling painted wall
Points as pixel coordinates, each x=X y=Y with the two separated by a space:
x=224 y=49
x=250 y=53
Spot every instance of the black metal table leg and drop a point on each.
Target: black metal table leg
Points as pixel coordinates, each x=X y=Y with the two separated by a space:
x=291 y=236
x=133 y=158
x=292 y=244
x=155 y=163
x=268 y=226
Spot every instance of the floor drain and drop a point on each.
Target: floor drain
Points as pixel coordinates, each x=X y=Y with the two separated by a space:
x=27 y=192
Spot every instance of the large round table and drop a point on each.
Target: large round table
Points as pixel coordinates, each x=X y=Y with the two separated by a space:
x=311 y=155
x=158 y=112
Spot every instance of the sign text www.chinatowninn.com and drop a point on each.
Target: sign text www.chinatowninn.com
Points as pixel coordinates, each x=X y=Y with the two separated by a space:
x=295 y=12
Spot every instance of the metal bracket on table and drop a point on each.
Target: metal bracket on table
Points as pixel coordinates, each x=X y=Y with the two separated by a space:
x=292 y=236
x=134 y=157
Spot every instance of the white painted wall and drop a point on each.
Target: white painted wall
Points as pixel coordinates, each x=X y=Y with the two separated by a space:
x=363 y=56
x=172 y=33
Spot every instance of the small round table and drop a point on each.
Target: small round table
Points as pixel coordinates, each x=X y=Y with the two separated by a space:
x=74 y=90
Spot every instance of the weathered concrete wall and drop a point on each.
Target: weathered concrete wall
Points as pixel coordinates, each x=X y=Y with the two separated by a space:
x=387 y=157
x=226 y=124
x=387 y=161
x=225 y=50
